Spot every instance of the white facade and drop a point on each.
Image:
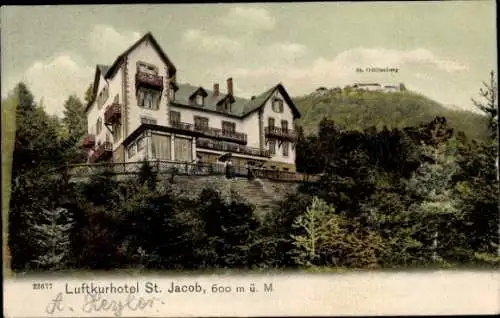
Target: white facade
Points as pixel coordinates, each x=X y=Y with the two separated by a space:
x=180 y=146
x=146 y=53
x=279 y=154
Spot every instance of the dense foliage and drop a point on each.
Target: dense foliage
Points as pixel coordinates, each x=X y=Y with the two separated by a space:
x=411 y=196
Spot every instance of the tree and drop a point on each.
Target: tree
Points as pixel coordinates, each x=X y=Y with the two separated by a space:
x=88 y=94
x=477 y=193
x=316 y=225
x=51 y=236
x=489 y=104
x=229 y=228
x=74 y=119
x=432 y=188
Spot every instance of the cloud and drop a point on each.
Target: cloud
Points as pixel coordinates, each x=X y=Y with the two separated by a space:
x=248 y=19
x=207 y=43
x=106 y=43
x=56 y=79
x=284 y=52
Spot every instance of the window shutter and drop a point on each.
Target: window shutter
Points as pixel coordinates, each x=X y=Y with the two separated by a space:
x=141 y=98
x=156 y=101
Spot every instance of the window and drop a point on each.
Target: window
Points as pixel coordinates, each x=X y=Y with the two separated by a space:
x=284 y=125
x=199 y=100
x=272 y=146
x=140 y=143
x=116 y=100
x=171 y=93
x=227 y=105
x=285 y=148
x=148 y=99
x=108 y=137
x=99 y=126
x=175 y=116
x=271 y=122
x=147 y=68
x=131 y=151
x=200 y=122
x=277 y=105
x=149 y=121
x=117 y=132
x=102 y=97
x=228 y=126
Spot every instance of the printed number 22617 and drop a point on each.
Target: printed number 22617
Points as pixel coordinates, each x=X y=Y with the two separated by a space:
x=42 y=285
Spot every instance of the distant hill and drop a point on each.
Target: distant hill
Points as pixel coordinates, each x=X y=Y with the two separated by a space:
x=358 y=110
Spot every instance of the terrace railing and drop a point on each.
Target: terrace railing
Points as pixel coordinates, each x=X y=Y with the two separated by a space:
x=165 y=167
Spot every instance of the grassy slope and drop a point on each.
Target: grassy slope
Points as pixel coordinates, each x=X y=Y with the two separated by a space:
x=359 y=110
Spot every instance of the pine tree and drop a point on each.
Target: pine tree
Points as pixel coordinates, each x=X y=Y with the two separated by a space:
x=489 y=105
x=74 y=119
x=51 y=237
x=317 y=225
x=435 y=207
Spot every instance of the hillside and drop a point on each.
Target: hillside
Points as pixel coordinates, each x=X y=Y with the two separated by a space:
x=360 y=109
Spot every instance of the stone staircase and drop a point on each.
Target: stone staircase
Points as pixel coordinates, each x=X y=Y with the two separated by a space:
x=263 y=195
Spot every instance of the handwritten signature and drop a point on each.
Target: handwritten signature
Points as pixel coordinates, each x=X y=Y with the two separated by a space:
x=98 y=303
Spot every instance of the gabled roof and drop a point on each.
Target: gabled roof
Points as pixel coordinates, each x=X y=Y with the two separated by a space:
x=240 y=108
x=201 y=91
x=99 y=70
x=103 y=68
x=109 y=71
x=147 y=37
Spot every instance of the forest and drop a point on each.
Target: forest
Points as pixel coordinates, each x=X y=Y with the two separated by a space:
x=419 y=196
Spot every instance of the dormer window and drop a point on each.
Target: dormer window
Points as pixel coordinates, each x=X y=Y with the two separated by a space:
x=171 y=93
x=199 y=100
x=227 y=105
x=277 y=105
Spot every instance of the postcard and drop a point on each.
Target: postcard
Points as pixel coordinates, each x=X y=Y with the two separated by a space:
x=250 y=159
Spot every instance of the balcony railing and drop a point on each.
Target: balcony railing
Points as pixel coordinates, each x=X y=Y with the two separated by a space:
x=282 y=133
x=227 y=147
x=102 y=152
x=233 y=136
x=88 y=141
x=181 y=126
x=112 y=114
x=166 y=167
x=149 y=80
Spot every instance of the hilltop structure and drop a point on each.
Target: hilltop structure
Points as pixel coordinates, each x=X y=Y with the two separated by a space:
x=139 y=111
x=376 y=87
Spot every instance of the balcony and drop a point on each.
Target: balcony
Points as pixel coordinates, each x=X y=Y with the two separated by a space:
x=228 y=135
x=281 y=133
x=235 y=148
x=181 y=126
x=88 y=141
x=102 y=152
x=148 y=80
x=112 y=114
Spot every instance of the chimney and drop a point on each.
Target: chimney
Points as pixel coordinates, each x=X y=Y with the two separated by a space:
x=216 y=89
x=230 y=86
x=253 y=97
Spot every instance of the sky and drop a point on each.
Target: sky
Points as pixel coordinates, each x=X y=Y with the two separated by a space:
x=444 y=50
